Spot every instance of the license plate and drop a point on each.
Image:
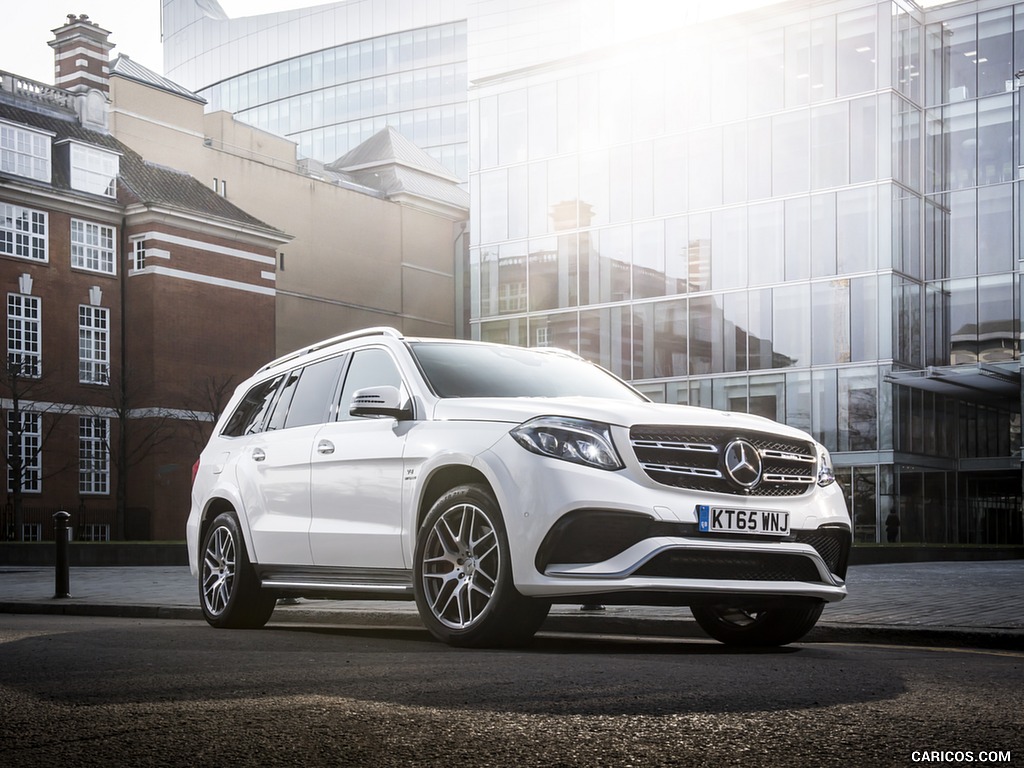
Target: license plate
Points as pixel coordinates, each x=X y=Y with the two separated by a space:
x=726 y=520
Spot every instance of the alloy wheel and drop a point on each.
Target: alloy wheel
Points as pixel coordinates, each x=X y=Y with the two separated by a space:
x=461 y=565
x=218 y=570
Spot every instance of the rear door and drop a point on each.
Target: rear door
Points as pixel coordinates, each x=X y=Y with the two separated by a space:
x=274 y=470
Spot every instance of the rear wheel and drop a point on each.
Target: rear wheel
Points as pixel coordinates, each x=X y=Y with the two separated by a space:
x=463 y=574
x=776 y=623
x=229 y=590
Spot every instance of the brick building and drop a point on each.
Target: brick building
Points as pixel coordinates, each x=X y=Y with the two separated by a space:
x=136 y=297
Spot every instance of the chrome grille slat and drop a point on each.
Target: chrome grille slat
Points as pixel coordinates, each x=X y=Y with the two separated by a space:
x=690 y=458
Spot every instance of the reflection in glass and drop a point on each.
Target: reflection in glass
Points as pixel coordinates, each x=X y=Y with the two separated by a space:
x=790 y=327
x=830 y=322
x=668 y=355
x=729 y=248
x=766 y=259
x=648 y=259
x=858 y=409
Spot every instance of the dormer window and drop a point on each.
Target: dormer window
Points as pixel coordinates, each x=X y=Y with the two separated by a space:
x=25 y=152
x=93 y=170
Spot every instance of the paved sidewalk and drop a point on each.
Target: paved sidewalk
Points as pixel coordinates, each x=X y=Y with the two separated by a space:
x=975 y=603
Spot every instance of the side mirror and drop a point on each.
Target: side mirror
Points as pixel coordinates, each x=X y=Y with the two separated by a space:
x=380 y=401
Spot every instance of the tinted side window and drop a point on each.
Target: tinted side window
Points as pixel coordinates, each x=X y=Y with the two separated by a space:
x=370 y=368
x=248 y=416
x=314 y=394
x=284 y=401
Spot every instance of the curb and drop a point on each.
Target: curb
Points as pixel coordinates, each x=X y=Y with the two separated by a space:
x=823 y=633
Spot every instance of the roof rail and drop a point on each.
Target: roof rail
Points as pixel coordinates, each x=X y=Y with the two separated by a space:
x=378 y=331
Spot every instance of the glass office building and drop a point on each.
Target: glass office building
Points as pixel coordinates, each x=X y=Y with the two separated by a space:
x=808 y=211
x=330 y=76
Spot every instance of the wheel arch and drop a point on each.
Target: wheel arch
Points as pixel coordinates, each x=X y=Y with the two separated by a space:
x=214 y=507
x=442 y=480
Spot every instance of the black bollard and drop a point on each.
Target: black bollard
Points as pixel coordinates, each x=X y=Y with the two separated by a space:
x=60 y=537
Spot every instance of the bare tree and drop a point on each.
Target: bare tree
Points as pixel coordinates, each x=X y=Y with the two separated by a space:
x=26 y=430
x=137 y=430
x=206 y=403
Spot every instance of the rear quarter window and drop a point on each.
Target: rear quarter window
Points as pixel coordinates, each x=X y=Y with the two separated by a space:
x=250 y=414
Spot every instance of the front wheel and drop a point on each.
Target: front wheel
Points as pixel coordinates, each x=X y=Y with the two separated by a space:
x=463 y=574
x=229 y=590
x=777 y=623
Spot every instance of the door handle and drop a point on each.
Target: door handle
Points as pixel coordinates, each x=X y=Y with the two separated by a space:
x=258 y=454
x=325 y=447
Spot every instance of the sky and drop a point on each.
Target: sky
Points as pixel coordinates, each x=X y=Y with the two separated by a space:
x=134 y=29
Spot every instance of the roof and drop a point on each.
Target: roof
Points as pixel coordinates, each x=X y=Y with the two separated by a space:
x=132 y=70
x=389 y=147
x=139 y=181
x=392 y=164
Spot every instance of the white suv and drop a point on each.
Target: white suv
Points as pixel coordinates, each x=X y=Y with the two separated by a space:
x=488 y=481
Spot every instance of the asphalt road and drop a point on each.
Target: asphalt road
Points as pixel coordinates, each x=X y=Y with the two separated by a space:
x=83 y=691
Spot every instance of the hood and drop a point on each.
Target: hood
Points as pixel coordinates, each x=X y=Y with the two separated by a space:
x=515 y=410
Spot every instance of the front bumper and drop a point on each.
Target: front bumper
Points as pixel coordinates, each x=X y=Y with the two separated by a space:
x=579 y=531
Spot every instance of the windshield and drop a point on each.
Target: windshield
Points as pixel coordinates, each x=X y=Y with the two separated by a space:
x=472 y=370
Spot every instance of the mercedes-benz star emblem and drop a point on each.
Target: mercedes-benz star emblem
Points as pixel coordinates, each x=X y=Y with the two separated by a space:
x=743 y=463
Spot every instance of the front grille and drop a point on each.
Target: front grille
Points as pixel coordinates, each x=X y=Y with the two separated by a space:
x=735 y=566
x=694 y=458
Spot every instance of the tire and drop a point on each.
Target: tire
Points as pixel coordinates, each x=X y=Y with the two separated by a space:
x=772 y=624
x=229 y=591
x=463 y=575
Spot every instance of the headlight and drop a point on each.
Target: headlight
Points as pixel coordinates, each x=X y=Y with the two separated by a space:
x=575 y=440
x=826 y=473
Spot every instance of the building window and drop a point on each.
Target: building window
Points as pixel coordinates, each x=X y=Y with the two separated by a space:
x=138 y=254
x=93 y=455
x=24 y=451
x=24 y=153
x=32 y=532
x=24 y=356
x=93 y=345
x=22 y=232
x=94 y=532
x=92 y=246
x=94 y=170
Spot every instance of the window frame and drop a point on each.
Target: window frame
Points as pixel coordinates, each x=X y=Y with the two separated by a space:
x=93 y=456
x=25 y=333
x=93 y=170
x=31 y=451
x=93 y=246
x=26 y=152
x=93 y=368
x=26 y=241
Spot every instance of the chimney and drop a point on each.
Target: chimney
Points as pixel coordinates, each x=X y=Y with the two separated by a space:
x=81 y=54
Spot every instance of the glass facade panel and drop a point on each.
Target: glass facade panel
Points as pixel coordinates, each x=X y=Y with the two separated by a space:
x=790 y=160
x=856 y=230
x=856 y=51
x=670 y=349
x=830 y=145
x=767 y=243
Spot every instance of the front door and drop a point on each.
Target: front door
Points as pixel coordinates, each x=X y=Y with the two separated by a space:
x=357 y=470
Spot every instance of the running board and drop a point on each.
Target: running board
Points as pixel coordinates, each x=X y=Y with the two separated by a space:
x=338 y=583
